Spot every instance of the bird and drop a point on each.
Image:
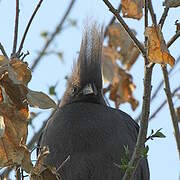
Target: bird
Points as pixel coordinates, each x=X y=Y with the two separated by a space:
x=86 y=138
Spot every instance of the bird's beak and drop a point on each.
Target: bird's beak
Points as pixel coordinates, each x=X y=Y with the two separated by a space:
x=90 y=89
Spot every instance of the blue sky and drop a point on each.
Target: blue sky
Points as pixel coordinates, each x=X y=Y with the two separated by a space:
x=163 y=157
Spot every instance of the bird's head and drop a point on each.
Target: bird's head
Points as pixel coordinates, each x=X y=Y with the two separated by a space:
x=85 y=83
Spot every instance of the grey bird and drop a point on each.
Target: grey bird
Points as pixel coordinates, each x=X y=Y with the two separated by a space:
x=86 y=138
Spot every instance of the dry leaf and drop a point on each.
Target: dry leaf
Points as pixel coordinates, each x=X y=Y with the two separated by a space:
x=171 y=3
x=157 y=49
x=41 y=171
x=109 y=59
x=22 y=71
x=40 y=100
x=132 y=8
x=118 y=38
x=122 y=89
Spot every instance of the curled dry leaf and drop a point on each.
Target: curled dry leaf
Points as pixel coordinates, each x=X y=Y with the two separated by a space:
x=11 y=152
x=122 y=89
x=118 y=38
x=157 y=49
x=171 y=3
x=132 y=8
x=22 y=71
x=40 y=100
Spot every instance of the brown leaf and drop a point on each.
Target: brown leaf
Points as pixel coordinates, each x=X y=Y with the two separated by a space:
x=132 y=8
x=15 y=134
x=118 y=38
x=22 y=71
x=157 y=49
x=40 y=100
x=171 y=3
x=108 y=61
x=122 y=89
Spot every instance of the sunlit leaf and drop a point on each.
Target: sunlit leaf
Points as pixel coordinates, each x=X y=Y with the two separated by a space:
x=157 y=49
x=132 y=8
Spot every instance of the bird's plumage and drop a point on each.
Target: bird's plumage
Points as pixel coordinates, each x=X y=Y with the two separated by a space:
x=85 y=129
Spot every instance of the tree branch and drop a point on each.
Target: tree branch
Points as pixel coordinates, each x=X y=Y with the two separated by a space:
x=143 y=125
x=173 y=39
x=163 y=17
x=162 y=104
x=151 y=10
x=159 y=86
x=171 y=108
x=15 y=29
x=126 y=28
x=3 y=51
x=48 y=42
x=27 y=27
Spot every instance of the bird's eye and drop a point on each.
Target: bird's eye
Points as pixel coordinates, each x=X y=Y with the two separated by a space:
x=74 y=90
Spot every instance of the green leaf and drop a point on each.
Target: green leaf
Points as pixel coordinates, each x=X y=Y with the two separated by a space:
x=72 y=22
x=44 y=34
x=145 y=152
x=158 y=134
x=40 y=100
x=52 y=90
x=60 y=55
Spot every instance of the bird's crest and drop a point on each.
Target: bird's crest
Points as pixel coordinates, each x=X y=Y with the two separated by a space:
x=87 y=70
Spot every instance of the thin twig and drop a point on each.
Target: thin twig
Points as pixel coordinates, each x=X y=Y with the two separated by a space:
x=143 y=125
x=173 y=39
x=163 y=17
x=112 y=20
x=159 y=87
x=15 y=29
x=151 y=10
x=28 y=26
x=18 y=173
x=126 y=28
x=171 y=108
x=162 y=104
x=145 y=26
x=57 y=30
x=3 y=51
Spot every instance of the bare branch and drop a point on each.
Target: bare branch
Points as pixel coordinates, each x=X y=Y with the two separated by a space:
x=28 y=26
x=126 y=28
x=151 y=10
x=163 y=17
x=159 y=87
x=162 y=104
x=145 y=26
x=171 y=108
x=3 y=51
x=15 y=29
x=58 y=28
x=143 y=124
x=173 y=39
